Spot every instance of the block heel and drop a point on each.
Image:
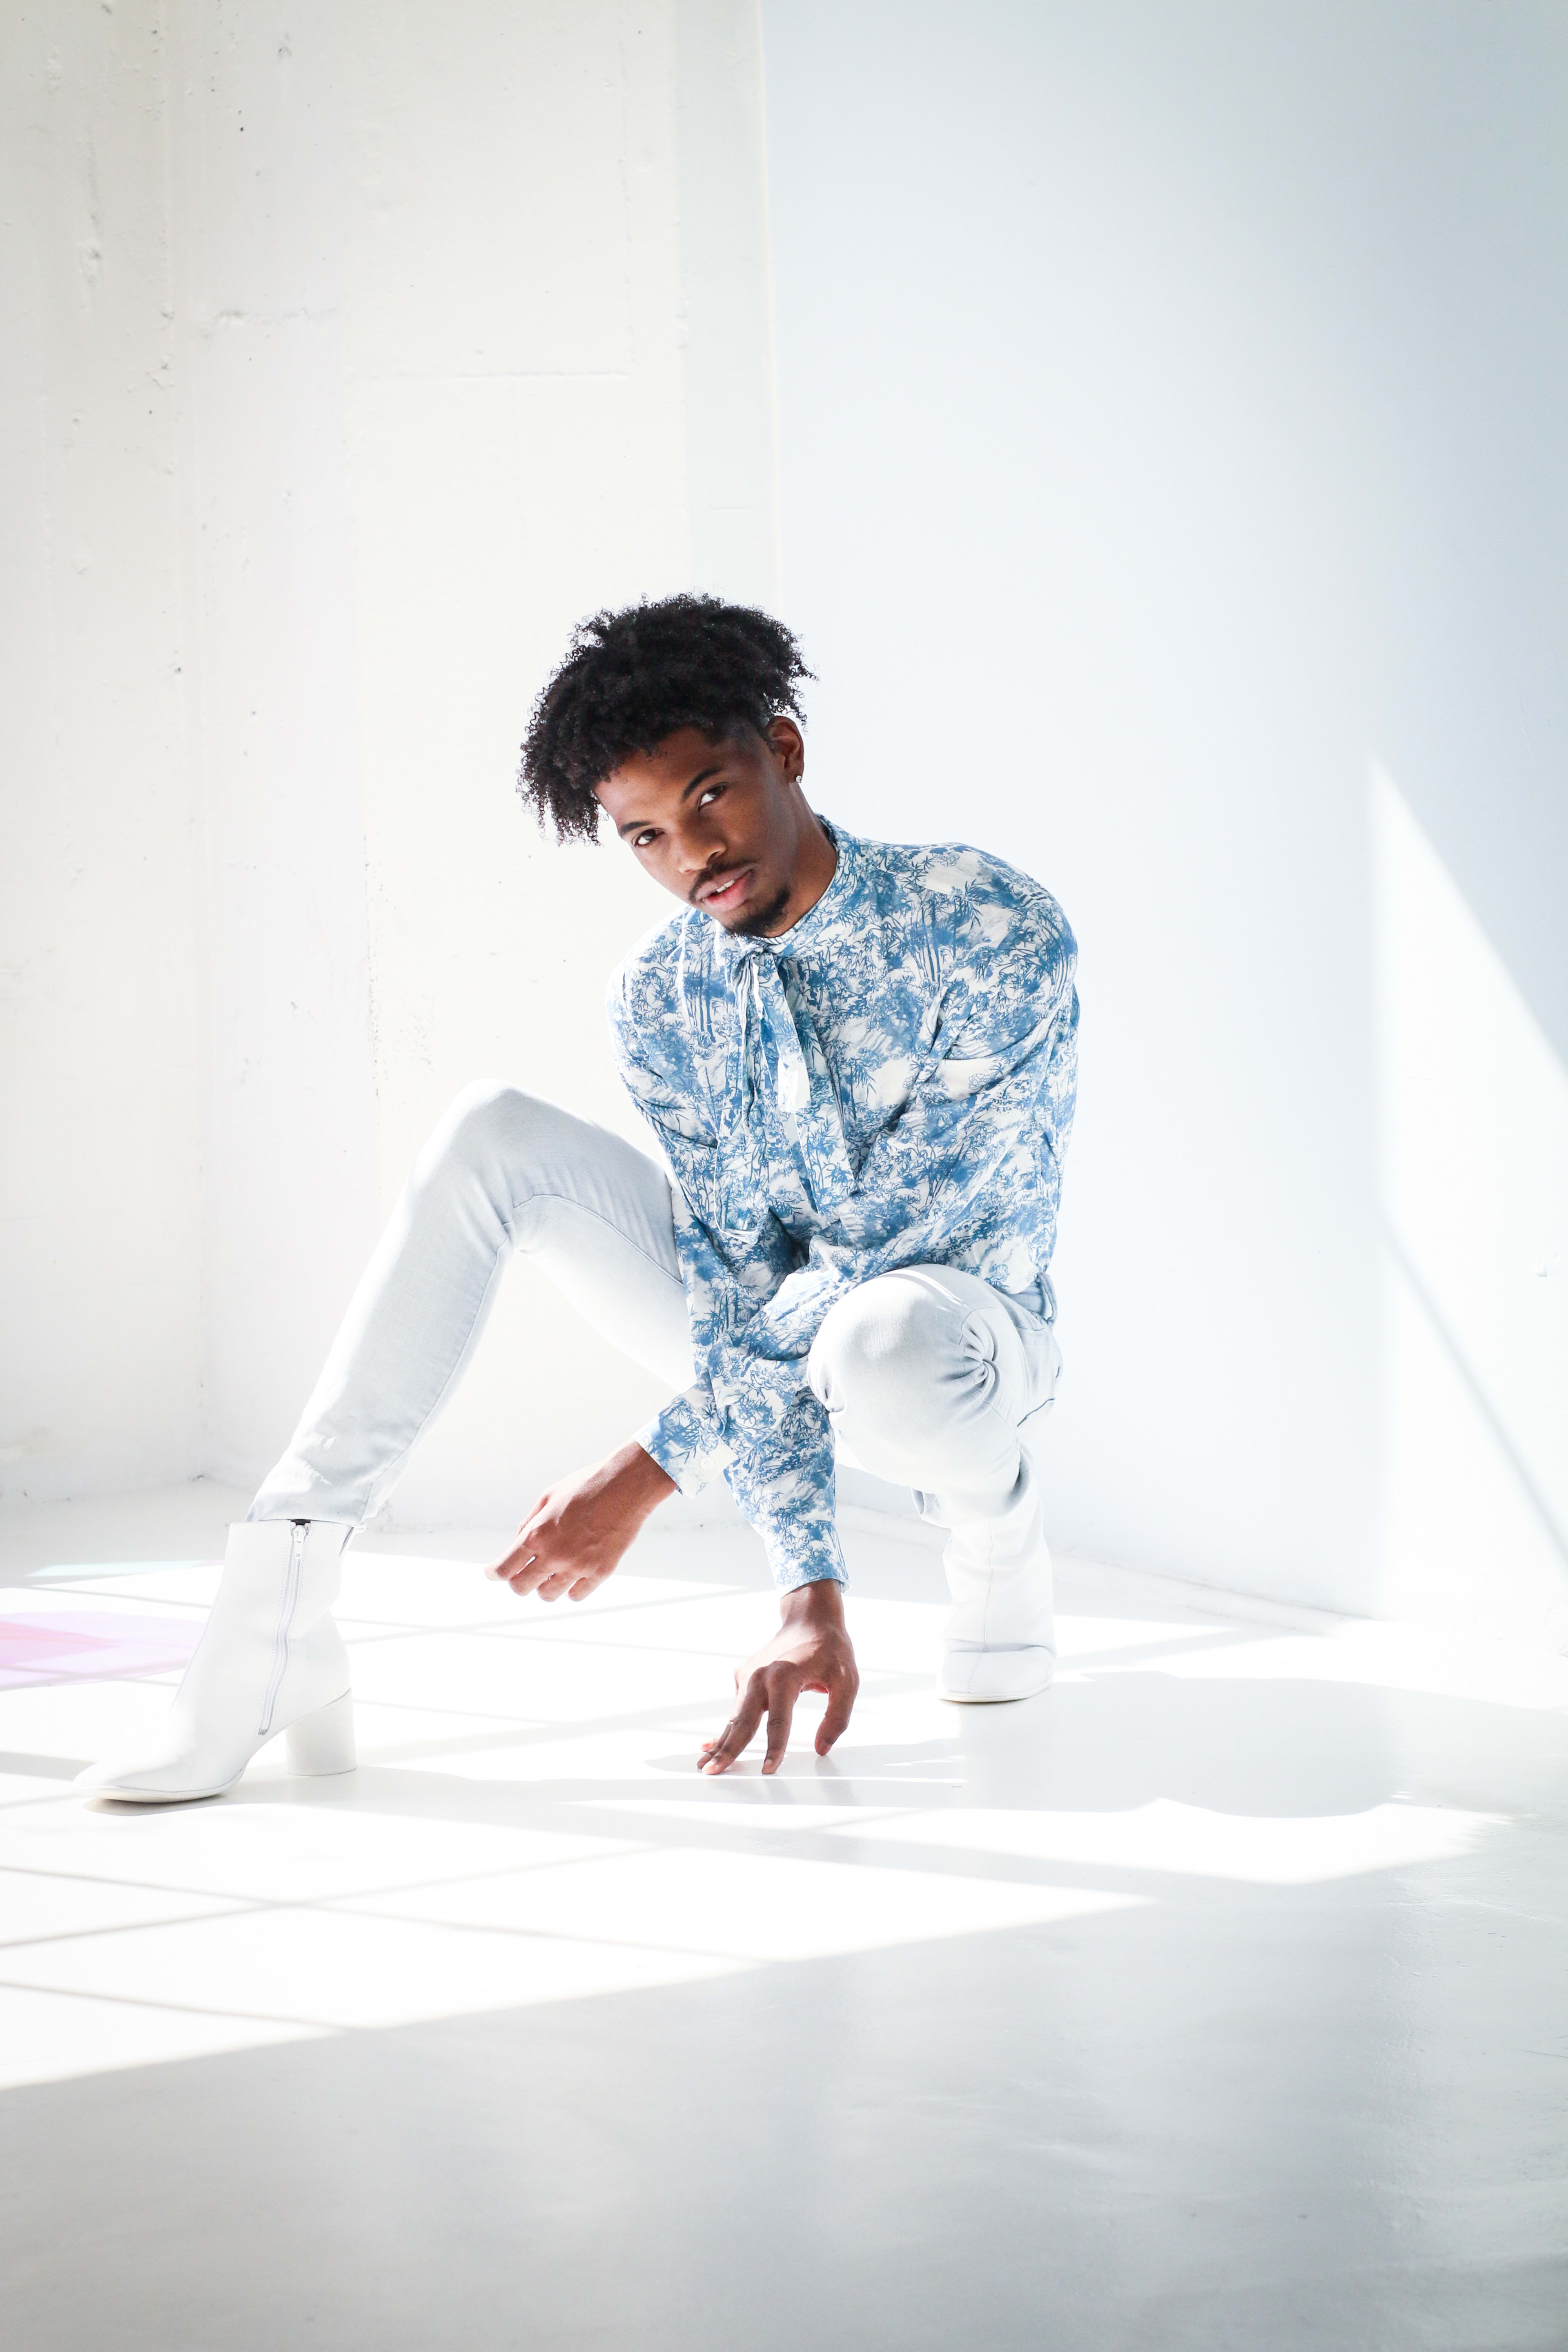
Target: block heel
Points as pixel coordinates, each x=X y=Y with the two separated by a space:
x=323 y=1742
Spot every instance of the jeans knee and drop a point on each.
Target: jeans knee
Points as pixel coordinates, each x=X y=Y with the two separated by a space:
x=880 y=1355
x=490 y=1125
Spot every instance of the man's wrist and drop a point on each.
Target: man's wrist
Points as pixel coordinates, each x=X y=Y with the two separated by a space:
x=820 y=1602
x=639 y=1477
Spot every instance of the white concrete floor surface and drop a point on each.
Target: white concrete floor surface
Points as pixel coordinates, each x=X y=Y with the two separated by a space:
x=1215 y=1999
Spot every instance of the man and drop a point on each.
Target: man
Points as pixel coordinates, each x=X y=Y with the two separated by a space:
x=857 y=1061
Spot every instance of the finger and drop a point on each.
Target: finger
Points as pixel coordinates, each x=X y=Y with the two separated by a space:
x=740 y=1731
x=526 y=1572
x=502 y=1570
x=714 y=1742
x=573 y=1581
x=836 y=1714
x=720 y=1737
x=780 y=1712
x=717 y=1755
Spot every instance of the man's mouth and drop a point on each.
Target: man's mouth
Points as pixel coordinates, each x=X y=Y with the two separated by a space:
x=726 y=890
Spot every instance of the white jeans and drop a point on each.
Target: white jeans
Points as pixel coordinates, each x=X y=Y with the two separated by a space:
x=927 y=1374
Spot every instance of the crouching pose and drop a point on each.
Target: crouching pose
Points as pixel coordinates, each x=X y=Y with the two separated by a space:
x=857 y=1062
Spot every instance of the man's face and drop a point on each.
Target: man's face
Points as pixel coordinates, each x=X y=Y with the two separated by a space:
x=724 y=825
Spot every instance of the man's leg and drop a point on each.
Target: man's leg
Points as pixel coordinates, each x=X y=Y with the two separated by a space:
x=503 y=1172
x=927 y=1375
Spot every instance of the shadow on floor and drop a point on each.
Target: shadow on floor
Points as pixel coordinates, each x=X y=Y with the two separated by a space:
x=1273 y=2123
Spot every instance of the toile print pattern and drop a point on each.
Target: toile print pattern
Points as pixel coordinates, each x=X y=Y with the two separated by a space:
x=890 y=1083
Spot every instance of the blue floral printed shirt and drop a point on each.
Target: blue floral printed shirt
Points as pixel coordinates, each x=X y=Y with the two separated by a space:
x=889 y=1083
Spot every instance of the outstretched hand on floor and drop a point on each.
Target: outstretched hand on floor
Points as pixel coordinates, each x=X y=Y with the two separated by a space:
x=577 y=1533
x=810 y=1652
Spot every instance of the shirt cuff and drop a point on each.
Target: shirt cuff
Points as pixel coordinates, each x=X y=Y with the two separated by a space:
x=814 y=1558
x=684 y=1440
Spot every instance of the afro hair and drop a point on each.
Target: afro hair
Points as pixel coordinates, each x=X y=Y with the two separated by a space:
x=631 y=679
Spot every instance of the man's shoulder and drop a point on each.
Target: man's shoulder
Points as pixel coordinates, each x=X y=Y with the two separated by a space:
x=959 y=887
x=988 y=924
x=657 y=971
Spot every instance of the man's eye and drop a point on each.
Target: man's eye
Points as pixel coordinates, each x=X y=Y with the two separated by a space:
x=641 y=840
x=711 y=794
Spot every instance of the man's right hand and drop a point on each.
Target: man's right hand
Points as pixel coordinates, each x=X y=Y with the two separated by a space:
x=575 y=1534
x=810 y=1652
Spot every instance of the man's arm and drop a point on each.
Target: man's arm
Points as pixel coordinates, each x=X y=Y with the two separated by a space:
x=783 y=1479
x=734 y=1254
x=972 y=1158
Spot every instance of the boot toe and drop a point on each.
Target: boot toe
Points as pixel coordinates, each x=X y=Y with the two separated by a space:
x=151 y=1782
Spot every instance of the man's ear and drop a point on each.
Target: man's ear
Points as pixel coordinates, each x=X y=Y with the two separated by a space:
x=788 y=746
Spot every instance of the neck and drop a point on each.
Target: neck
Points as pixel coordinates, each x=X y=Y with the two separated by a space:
x=815 y=864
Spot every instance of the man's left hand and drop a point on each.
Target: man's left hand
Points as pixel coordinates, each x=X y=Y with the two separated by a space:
x=810 y=1652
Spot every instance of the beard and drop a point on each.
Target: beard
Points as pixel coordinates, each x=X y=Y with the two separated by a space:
x=758 y=921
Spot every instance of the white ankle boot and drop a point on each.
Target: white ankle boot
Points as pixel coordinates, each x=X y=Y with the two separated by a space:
x=999 y=1641
x=271 y=1660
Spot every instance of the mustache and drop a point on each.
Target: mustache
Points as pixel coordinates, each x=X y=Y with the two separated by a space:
x=713 y=874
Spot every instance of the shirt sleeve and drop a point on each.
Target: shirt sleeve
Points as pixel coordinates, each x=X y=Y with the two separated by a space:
x=776 y=1458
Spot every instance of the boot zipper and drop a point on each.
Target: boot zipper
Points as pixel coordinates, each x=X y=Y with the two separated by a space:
x=297 y=1535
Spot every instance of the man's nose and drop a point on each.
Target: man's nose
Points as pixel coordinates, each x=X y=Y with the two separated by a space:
x=698 y=845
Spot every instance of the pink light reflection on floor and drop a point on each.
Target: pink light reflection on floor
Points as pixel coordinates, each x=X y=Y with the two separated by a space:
x=91 y=1644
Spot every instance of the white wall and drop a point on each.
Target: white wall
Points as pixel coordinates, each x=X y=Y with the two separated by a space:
x=1173 y=495
x=268 y=564
x=465 y=313
x=1174 y=409
x=533 y=328
x=100 y=1285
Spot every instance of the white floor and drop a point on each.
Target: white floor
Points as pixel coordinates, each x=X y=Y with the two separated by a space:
x=1218 y=1999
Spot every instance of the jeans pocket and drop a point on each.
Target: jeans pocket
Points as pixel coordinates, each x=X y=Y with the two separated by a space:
x=1047 y=1370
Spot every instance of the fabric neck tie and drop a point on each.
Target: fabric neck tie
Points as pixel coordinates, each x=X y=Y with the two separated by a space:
x=774 y=1033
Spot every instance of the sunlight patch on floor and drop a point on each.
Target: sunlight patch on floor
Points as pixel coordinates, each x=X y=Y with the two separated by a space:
x=528 y=1826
